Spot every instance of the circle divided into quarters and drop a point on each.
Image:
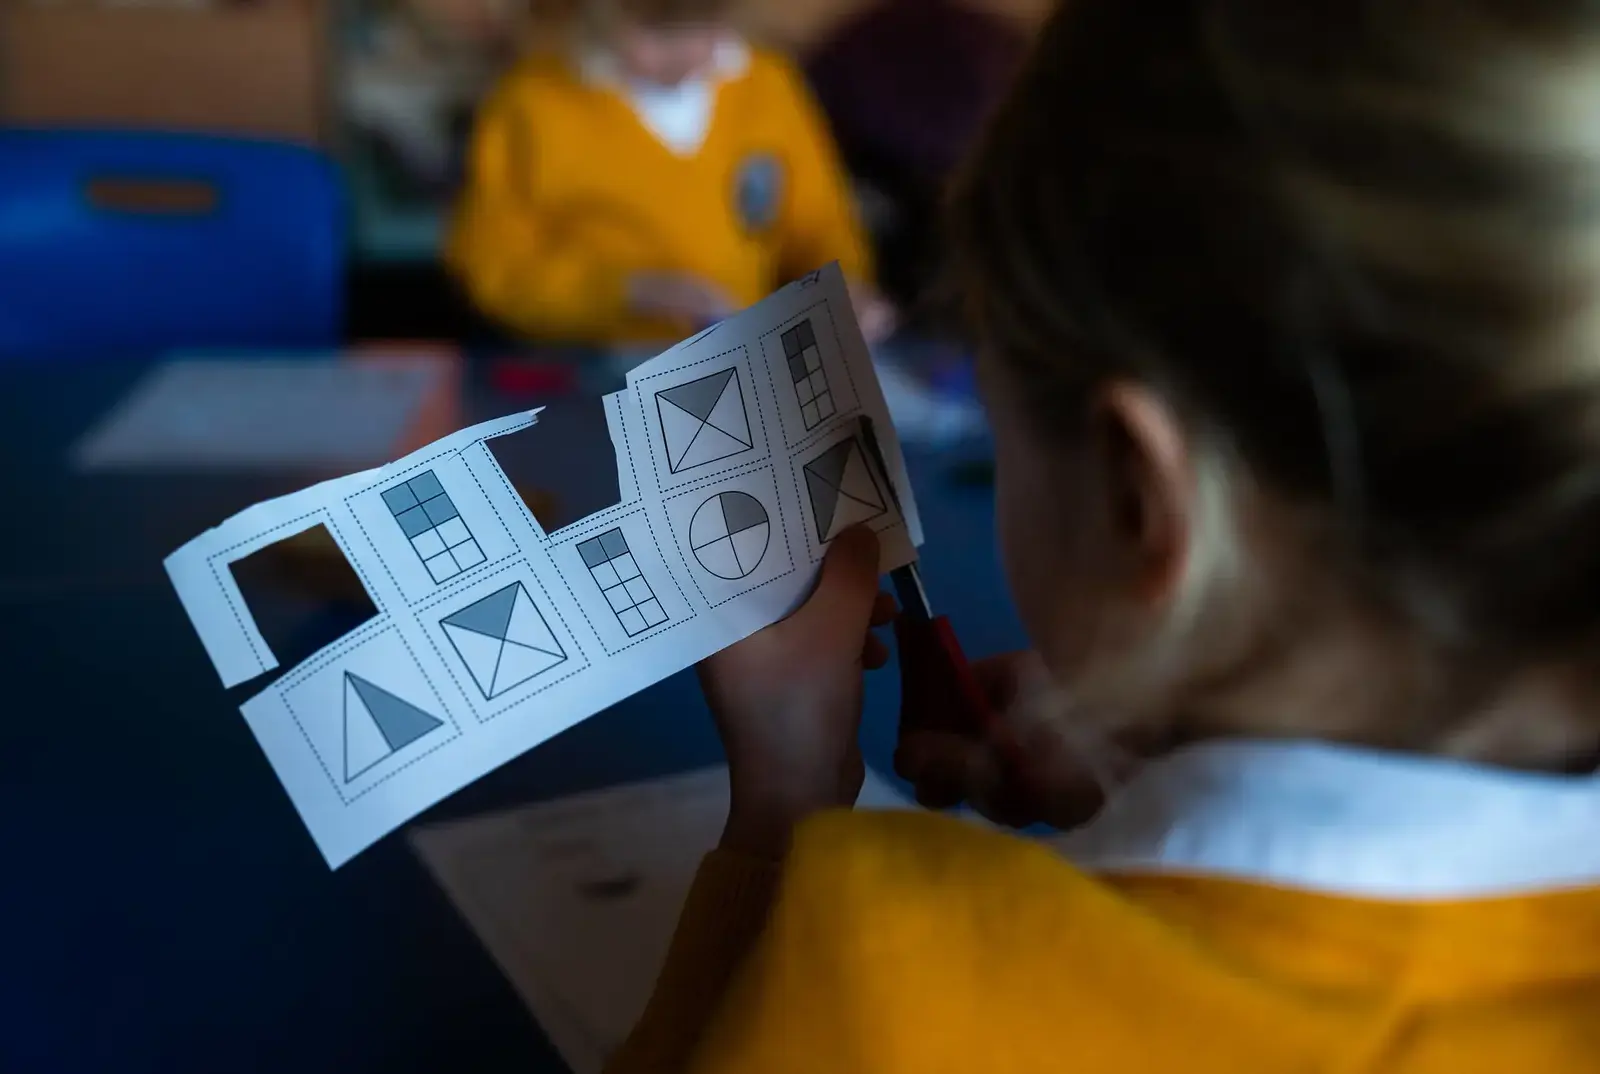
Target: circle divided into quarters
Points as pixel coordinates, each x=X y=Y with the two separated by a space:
x=729 y=534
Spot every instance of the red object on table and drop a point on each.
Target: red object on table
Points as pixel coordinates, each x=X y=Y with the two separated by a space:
x=522 y=377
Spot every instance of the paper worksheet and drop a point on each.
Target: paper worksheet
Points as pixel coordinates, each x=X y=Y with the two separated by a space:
x=213 y=414
x=577 y=899
x=740 y=457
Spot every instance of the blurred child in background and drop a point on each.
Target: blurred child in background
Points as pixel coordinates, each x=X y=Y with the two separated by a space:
x=657 y=175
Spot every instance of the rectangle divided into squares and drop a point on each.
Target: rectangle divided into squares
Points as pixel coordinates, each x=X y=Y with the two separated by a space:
x=612 y=567
x=810 y=379
x=430 y=521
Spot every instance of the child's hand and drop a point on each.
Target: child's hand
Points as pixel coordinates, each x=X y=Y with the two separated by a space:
x=1060 y=786
x=787 y=701
x=675 y=296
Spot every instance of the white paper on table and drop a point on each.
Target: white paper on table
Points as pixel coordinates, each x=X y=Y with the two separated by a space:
x=218 y=414
x=740 y=457
x=577 y=899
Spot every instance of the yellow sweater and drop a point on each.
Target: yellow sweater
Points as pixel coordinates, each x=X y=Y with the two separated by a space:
x=906 y=942
x=568 y=194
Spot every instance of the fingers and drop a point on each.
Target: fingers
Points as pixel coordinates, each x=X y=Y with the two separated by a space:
x=884 y=609
x=847 y=589
x=943 y=767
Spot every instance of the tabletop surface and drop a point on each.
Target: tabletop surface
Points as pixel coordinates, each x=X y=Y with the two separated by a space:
x=161 y=906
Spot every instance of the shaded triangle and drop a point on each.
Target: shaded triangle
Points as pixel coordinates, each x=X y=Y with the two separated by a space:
x=528 y=628
x=364 y=744
x=742 y=510
x=718 y=558
x=488 y=616
x=750 y=545
x=400 y=722
x=857 y=482
x=478 y=652
x=710 y=445
x=850 y=511
x=824 y=502
x=518 y=664
x=830 y=464
x=699 y=397
x=678 y=431
x=729 y=415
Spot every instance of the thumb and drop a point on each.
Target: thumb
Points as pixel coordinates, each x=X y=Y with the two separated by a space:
x=847 y=587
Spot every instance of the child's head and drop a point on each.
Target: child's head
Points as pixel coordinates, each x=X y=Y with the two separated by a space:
x=1291 y=327
x=661 y=42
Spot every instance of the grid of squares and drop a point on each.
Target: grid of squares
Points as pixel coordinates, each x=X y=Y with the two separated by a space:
x=611 y=565
x=810 y=379
x=430 y=521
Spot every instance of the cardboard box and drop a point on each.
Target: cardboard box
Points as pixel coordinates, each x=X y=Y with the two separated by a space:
x=261 y=69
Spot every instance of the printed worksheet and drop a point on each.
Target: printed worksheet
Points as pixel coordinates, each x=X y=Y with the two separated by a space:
x=741 y=454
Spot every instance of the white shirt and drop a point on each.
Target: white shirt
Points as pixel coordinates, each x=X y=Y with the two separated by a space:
x=1348 y=821
x=679 y=116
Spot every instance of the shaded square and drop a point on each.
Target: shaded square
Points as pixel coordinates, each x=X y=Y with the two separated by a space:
x=625 y=567
x=618 y=596
x=653 y=613
x=593 y=552
x=454 y=532
x=614 y=543
x=442 y=567
x=413 y=522
x=797 y=368
x=425 y=486
x=440 y=509
x=632 y=621
x=399 y=499
x=605 y=576
x=639 y=590
x=468 y=555
x=791 y=343
x=813 y=360
x=427 y=544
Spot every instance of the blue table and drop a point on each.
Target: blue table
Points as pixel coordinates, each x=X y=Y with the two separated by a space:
x=161 y=907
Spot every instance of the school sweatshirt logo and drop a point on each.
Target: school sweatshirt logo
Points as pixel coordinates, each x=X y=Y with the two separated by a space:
x=758 y=190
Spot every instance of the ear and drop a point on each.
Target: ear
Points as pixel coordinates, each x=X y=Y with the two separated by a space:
x=1150 y=483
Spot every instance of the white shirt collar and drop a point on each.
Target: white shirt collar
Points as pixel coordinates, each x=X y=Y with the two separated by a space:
x=1348 y=821
x=679 y=116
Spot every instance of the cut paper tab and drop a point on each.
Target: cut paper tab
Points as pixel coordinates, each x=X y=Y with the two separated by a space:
x=493 y=635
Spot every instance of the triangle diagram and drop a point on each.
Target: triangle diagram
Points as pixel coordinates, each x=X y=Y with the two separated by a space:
x=377 y=723
x=699 y=397
x=679 y=428
x=528 y=628
x=728 y=415
x=842 y=490
x=488 y=616
x=709 y=445
x=518 y=664
x=704 y=420
x=479 y=652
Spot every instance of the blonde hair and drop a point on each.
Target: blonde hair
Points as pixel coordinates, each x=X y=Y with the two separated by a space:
x=1356 y=243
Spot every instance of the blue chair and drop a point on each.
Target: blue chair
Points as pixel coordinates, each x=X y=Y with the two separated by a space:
x=131 y=243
